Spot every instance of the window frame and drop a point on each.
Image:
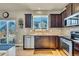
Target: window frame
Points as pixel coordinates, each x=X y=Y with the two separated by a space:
x=39 y=16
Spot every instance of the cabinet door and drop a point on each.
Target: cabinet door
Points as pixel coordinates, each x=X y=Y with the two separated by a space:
x=45 y=42
x=69 y=9
x=57 y=42
x=52 y=42
x=63 y=16
x=58 y=20
x=28 y=18
x=42 y=42
x=27 y=42
x=75 y=7
x=53 y=20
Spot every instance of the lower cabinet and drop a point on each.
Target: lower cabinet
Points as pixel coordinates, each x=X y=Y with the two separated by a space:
x=28 y=42
x=52 y=42
x=40 y=42
x=43 y=42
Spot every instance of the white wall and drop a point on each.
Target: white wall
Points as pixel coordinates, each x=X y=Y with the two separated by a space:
x=16 y=15
x=11 y=16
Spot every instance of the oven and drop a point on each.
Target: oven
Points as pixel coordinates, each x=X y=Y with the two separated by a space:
x=66 y=46
x=75 y=37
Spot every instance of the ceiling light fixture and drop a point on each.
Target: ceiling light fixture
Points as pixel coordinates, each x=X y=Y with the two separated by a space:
x=39 y=12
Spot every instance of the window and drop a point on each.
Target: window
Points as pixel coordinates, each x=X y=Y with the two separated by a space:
x=40 y=22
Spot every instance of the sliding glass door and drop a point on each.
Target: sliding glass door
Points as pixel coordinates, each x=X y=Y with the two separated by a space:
x=3 y=32
x=7 y=31
x=11 y=31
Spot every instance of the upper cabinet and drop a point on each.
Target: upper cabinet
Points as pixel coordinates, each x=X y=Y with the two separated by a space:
x=75 y=7
x=69 y=10
x=28 y=18
x=63 y=14
x=72 y=8
x=56 y=20
x=72 y=15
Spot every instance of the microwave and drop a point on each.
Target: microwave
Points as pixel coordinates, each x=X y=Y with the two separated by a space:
x=71 y=22
x=67 y=22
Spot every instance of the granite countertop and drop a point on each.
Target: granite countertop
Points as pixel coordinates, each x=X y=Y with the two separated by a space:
x=43 y=34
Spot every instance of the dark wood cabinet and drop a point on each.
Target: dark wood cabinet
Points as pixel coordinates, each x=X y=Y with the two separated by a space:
x=53 y=20
x=75 y=7
x=57 y=42
x=52 y=42
x=69 y=9
x=67 y=12
x=56 y=20
x=28 y=18
x=41 y=42
x=49 y=42
x=63 y=14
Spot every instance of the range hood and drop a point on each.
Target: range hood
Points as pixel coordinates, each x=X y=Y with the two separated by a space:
x=72 y=20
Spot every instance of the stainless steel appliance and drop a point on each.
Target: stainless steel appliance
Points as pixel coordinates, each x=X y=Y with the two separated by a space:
x=75 y=37
x=72 y=20
x=66 y=45
x=28 y=42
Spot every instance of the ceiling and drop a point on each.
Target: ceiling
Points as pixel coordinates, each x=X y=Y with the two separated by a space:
x=32 y=6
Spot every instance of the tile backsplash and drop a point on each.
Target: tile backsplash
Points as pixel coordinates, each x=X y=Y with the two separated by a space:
x=66 y=31
x=50 y=31
x=53 y=31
